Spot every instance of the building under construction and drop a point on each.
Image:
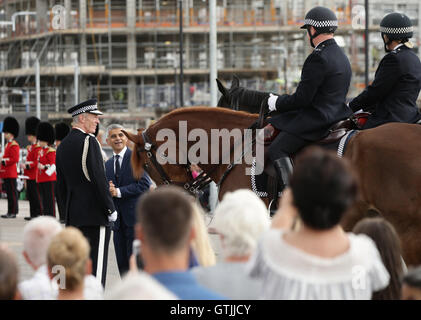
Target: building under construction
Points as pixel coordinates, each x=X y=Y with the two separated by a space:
x=126 y=53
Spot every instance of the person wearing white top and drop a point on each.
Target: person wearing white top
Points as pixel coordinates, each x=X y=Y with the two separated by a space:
x=240 y=219
x=37 y=236
x=317 y=260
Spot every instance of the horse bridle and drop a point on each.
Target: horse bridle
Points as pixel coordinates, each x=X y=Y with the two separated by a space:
x=193 y=186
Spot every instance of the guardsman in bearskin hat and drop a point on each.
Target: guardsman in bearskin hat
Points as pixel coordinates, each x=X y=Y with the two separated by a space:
x=8 y=168
x=46 y=173
x=30 y=168
x=62 y=129
x=319 y=100
x=392 y=97
x=82 y=183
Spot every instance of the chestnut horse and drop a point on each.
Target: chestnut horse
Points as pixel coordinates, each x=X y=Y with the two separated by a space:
x=387 y=160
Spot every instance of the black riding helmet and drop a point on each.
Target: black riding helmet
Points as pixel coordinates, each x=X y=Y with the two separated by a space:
x=322 y=19
x=396 y=26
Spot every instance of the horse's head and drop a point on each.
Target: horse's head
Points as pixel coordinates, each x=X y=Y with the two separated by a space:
x=141 y=162
x=227 y=99
x=138 y=161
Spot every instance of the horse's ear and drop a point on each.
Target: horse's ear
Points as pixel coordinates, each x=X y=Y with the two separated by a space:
x=222 y=89
x=235 y=82
x=132 y=137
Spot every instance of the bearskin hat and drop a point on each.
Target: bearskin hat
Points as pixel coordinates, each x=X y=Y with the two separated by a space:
x=11 y=125
x=45 y=132
x=31 y=125
x=62 y=129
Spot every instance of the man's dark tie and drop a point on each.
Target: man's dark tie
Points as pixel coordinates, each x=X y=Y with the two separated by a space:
x=117 y=168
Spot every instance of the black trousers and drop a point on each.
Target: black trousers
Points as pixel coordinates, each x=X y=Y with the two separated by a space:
x=12 y=195
x=61 y=205
x=286 y=144
x=99 y=239
x=34 y=198
x=47 y=192
x=123 y=246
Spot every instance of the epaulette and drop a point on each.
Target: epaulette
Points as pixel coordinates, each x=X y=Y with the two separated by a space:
x=50 y=149
x=28 y=146
x=14 y=143
x=317 y=50
x=396 y=50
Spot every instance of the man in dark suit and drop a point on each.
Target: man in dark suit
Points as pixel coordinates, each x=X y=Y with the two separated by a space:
x=319 y=100
x=392 y=97
x=125 y=191
x=83 y=186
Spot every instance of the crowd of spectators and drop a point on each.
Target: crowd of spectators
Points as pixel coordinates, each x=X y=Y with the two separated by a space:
x=302 y=253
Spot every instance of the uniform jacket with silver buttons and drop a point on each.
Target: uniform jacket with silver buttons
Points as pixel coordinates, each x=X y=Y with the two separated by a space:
x=319 y=100
x=81 y=181
x=393 y=94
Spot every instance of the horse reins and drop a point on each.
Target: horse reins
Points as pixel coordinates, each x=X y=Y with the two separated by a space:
x=194 y=186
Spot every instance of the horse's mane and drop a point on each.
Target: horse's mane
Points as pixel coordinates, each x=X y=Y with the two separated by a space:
x=205 y=112
x=249 y=97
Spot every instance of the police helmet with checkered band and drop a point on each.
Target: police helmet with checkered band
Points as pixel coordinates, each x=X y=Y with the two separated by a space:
x=397 y=26
x=322 y=19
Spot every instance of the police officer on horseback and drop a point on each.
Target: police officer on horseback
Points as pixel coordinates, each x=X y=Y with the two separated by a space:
x=393 y=94
x=319 y=100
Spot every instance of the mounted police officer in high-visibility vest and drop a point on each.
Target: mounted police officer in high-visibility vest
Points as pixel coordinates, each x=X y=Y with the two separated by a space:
x=393 y=94
x=319 y=100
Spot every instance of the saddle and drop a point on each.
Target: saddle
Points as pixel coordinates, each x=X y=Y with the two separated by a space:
x=336 y=132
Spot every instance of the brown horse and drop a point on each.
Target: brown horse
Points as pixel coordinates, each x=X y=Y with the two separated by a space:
x=387 y=160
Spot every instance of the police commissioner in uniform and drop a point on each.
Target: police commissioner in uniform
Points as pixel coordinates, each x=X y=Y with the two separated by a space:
x=82 y=184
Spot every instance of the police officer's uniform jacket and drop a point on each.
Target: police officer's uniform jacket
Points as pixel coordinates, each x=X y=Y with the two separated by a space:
x=393 y=94
x=85 y=189
x=319 y=100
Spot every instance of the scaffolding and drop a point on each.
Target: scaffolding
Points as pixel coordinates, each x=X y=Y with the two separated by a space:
x=128 y=50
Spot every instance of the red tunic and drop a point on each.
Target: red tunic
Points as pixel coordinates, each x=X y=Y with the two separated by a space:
x=31 y=164
x=47 y=157
x=8 y=168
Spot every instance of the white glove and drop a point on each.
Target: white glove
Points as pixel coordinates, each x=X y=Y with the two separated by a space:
x=112 y=217
x=272 y=102
x=359 y=111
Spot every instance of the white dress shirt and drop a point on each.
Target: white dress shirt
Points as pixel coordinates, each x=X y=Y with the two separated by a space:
x=120 y=161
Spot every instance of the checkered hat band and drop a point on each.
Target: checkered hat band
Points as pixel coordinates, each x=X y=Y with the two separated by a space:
x=396 y=30
x=321 y=24
x=85 y=109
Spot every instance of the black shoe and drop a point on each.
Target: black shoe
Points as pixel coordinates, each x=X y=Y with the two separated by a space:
x=28 y=218
x=9 y=216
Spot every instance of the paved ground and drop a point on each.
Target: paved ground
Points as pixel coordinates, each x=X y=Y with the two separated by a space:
x=11 y=233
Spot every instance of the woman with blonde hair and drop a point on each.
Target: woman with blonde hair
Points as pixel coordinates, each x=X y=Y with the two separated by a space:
x=68 y=257
x=201 y=246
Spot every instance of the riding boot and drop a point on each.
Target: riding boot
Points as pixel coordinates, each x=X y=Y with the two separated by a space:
x=283 y=167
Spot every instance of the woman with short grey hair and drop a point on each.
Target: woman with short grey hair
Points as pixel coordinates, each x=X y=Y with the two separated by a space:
x=240 y=219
